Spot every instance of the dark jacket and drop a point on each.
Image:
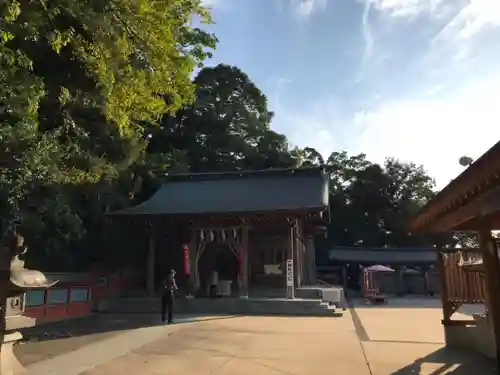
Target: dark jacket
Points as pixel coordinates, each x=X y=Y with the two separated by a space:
x=169 y=284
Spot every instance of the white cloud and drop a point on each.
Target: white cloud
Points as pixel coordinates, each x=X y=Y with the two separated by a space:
x=404 y=8
x=443 y=108
x=212 y=4
x=367 y=32
x=434 y=128
x=471 y=20
x=209 y=3
x=433 y=131
x=305 y=8
x=315 y=126
x=461 y=20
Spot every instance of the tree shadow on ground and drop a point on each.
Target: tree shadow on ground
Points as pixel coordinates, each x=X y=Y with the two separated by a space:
x=454 y=361
x=103 y=323
x=53 y=339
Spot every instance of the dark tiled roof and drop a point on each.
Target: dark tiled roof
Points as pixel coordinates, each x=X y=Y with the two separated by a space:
x=238 y=192
x=384 y=256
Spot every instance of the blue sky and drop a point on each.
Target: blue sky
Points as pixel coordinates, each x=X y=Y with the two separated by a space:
x=418 y=80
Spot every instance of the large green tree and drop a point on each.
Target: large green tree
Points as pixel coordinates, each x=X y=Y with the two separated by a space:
x=371 y=204
x=78 y=83
x=226 y=128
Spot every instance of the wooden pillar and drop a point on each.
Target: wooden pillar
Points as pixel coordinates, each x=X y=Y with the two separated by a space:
x=310 y=264
x=312 y=249
x=304 y=267
x=425 y=274
x=492 y=276
x=298 y=255
x=150 y=272
x=191 y=279
x=344 y=277
x=244 y=264
x=311 y=279
x=443 y=288
x=400 y=290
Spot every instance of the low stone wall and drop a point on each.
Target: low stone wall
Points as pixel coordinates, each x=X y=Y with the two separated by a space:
x=225 y=306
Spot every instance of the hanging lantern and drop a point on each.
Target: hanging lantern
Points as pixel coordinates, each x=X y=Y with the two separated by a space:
x=186 y=263
x=211 y=236
x=202 y=235
x=223 y=236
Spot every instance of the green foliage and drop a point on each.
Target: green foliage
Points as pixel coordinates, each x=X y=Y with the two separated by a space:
x=226 y=128
x=79 y=81
x=97 y=103
x=122 y=57
x=371 y=204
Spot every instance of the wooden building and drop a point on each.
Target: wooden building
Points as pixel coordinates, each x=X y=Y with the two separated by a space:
x=249 y=226
x=471 y=202
x=415 y=269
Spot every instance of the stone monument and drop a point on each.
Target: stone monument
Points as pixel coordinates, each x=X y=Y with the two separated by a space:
x=15 y=281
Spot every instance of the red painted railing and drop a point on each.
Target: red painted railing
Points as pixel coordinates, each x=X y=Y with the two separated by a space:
x=71 y=297
x=75 y=295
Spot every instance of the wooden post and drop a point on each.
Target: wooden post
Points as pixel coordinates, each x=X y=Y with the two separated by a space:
x=344 y=277
x=308 y=262
x=244 y=271
x=425 y=274
x=443 y=288
x=151 y=264
x=492 y=276
x=193 y=263
x=298 y=255
x=312 y=249
x=400 y=290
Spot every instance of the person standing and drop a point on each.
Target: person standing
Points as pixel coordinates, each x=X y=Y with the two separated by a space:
x=167 y=297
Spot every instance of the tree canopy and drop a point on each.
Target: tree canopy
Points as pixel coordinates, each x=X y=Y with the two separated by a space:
x=98 y=99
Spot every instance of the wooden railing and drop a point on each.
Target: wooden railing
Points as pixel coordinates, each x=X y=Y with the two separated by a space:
x=463 y=287
x=58 y=303
x=460 y=286
x=75 y=295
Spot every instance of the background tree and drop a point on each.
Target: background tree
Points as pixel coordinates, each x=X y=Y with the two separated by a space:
x=97 y=104
x=226 y=128
x=79 y=82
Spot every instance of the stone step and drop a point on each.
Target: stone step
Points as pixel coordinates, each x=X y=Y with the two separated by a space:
x=229 y=306
x=308 y=293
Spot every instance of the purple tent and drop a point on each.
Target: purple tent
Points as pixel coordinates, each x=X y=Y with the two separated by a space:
x=379 y=268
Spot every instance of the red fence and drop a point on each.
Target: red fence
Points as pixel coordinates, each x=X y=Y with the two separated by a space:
x=73 y=296
x=58 y=303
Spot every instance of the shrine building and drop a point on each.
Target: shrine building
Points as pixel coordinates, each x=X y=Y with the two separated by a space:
x=254 y=228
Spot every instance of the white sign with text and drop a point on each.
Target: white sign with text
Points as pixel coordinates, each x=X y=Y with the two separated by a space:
x=289 y=272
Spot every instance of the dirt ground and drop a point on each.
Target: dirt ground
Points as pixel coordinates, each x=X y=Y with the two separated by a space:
x=404 y=337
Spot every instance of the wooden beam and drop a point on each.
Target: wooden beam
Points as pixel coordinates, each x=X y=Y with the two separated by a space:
x=492 y=275
x=465 y=217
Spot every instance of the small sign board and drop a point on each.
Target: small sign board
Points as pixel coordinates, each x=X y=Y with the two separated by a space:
x=289 y=273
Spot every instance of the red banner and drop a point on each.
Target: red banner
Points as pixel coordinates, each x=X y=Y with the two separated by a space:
x=187 y=266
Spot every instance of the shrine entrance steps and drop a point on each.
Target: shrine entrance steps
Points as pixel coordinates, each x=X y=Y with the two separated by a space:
x=226 y=306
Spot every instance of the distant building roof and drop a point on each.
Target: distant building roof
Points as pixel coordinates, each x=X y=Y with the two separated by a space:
x=383 y=255
x=241 y=192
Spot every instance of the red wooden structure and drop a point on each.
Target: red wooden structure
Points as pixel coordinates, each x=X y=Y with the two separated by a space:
x=70 y=298
x=75 y=295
